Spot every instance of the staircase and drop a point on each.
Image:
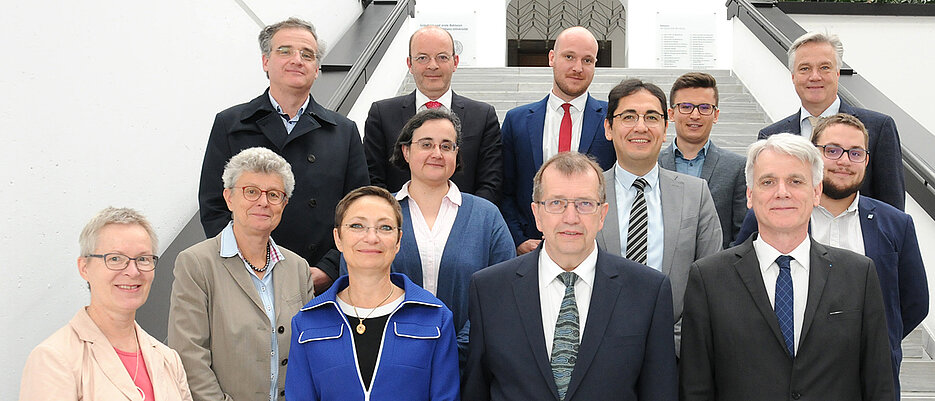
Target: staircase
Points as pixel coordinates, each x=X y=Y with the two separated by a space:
x=738 y=123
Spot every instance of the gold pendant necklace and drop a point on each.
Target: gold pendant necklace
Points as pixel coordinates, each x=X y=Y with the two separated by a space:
x=360 y=323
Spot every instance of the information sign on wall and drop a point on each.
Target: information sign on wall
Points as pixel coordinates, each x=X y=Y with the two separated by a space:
x=686 y=40
x=462 y=24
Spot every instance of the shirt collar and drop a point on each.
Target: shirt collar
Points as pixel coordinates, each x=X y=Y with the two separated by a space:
x=625 y=178
x=830 y=111
x=701 y=153
x=766 y=255
x=279 y=108
x=852 y=208
x=549 y=270
x=453 y=195
x=444 y=99
x=555 y=103
x=229 y=247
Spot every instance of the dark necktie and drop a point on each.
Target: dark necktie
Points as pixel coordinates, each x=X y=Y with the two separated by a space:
x=564 y=131
x=565 y=342
x=432 y=104
x=784 y=303
x=638 y=229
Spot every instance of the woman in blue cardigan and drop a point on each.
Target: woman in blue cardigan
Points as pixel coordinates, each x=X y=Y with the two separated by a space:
x=374 y=335
x=447 y=234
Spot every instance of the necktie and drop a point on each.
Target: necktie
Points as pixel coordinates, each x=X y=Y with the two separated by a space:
x=639 y=225
x=432 y=104
x=784 y=303
x=564 y=132
x=565 y=343
x=813 y=121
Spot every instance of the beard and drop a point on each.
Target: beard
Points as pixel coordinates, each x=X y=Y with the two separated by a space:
x=840 y=192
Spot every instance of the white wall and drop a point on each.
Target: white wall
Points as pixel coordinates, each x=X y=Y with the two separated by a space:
x=767 y=78
x=387 y=77
x=110 y=103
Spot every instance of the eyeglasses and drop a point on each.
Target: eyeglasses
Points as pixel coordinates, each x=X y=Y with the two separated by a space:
x=440 y=58
x=273 y=196
x=427 y=145
x=288 y=51
x=119 y=261
x=557 y=206
x=833 y=152
x=705 y=109
x=629 y=119
x=383 y=230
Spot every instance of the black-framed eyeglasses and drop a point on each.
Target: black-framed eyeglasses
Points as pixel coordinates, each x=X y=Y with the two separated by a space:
x=557 y=206
x=119 y=261
x=629 y=119
x=273 y=196
x=427 y=144
x=834 y=152
x=289 y=51
x=383 y=230
x=705 y=109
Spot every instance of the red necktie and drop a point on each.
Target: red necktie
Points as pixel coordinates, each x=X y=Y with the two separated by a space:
x=564 y=132
x=432 y=104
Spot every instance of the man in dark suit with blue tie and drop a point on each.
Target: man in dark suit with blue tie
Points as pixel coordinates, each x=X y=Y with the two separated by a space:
x=782 y=316
x=815 y=62
x=567 y=119
x=568 y=321
x=846 y=219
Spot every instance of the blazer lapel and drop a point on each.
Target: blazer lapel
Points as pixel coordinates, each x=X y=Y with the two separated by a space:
x=238 y=271
x=412 y=267
x=710 y=161
x=273 y=129
x=667 y=157
x=609 y=236
x=154 y=361
x=670 y=192
x=818 y=270
x=535 y=124
x=591 y=120
x=526 y=291
x=869 y=229
x=748 y=268
x=409 y=108
x=104 y=355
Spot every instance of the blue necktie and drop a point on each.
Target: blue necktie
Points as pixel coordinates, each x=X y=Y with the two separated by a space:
x=565 y=343
x=784 y=303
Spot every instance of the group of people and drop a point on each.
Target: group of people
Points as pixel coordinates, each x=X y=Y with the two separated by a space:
x=562 y=255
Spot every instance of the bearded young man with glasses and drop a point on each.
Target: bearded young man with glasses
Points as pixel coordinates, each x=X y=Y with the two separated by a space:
x=694 y=111
x=660 y=218
x=846 y=219
x=323 y=147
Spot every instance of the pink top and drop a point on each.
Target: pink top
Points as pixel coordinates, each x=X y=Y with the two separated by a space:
x=142 y=381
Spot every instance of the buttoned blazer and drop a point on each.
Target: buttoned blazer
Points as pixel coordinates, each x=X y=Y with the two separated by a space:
x=733 y=349
x=724 y=172
x=691 y=229
x=218 y=324
x=626 y=352
x=327 y=159
x=480 y=151
x=522 y=156
x=884 y=179
x=77 y=362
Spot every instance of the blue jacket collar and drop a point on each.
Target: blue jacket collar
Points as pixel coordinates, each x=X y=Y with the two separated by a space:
x=414 y=293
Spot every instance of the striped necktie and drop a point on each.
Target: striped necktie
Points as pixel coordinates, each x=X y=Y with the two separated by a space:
x=565 y=342
x=638 y=229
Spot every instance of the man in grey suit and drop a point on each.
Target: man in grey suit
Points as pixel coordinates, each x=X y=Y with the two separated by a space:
x=660 y=218
x=782 y=316
x=694 y=111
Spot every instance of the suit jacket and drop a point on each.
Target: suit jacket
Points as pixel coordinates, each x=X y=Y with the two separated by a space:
x=691 y=230
x=78 y=363
x=218 y=325
x=890 y=241
x=481 y=162
x=884 y=179
x=327 y=159
x=733 y=349
x=626 y=352
x=724 y=172
x=522 y=157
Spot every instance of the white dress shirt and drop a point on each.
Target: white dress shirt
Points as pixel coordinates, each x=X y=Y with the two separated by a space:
x=431 y=241
x=625 y=194
x=421 y=100
x=552 y=291
x=553 y=123
x=766 y=255
x=841 y=231
x=806 y=126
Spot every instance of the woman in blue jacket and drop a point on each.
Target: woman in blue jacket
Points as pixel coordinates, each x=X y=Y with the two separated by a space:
x=374 y=335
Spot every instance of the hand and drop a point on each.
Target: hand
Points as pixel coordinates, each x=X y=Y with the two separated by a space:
x=527 y=246
x=320 y=280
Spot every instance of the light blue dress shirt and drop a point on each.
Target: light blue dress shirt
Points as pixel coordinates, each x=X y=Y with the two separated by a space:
x=691 y=167
x=264 y=287
x=623 y=180
x=290 y=122
x=805 y=126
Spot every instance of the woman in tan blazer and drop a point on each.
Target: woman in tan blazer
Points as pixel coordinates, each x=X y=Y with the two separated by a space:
x=102 y=354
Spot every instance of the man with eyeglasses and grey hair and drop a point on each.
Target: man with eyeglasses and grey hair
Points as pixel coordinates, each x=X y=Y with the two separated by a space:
x=663 y=219
x=815 y=62
x=432 y=61
x=323 y=147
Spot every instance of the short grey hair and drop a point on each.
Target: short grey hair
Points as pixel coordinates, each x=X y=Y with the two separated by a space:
x=266 y=35
x=87 y=240
x=258 y=160
x=569 y=163
x=789 y=144
x=817 y=37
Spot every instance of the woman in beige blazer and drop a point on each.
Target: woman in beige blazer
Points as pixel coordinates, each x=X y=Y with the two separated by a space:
x=102 y=354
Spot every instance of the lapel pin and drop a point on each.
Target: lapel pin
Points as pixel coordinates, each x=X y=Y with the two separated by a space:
x=870 y=216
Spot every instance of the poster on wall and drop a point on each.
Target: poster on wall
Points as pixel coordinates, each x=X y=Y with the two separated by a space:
x=462 y=24
x=686 y=40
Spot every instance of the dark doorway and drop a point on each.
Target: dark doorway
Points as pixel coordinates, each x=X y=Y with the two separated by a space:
x=535 y=53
